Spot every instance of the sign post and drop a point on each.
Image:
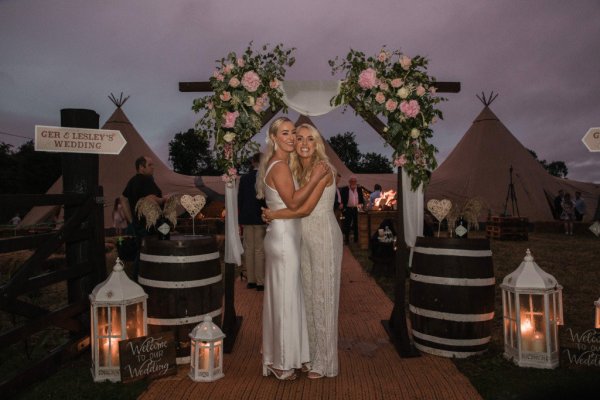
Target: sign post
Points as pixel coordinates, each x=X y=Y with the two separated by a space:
x=78 y=140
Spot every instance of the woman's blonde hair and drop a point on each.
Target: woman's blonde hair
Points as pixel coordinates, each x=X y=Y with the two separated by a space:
x=266 y=156
x=301 y=174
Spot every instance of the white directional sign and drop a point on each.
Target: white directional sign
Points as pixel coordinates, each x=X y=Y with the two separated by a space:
x=592 y=139
x=78 y=140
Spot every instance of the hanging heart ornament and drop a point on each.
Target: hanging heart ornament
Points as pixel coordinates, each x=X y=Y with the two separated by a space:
x=439 y=208
x=193 y=205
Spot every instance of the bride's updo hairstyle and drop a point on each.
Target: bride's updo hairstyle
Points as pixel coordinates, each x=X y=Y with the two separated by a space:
x=301 y=174
x=267 y=154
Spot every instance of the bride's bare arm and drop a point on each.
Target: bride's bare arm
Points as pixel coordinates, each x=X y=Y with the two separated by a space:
x=305 y=209
x=281 y=179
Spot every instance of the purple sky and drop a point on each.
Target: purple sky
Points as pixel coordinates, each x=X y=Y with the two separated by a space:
x=541 y=56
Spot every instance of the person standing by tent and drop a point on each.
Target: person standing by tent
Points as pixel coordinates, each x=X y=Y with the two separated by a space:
x=558 y=204
x=374 y=196
x=352 y=199
x=580 y=207
x=568 y=213
x=140 y=186
x=253 y=227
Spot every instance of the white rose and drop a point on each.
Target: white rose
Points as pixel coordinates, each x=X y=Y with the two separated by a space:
x=228 y=137
x=403 y=92
x=415 y=133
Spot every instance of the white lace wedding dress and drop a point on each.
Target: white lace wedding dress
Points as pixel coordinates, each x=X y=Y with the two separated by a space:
x=321 y=262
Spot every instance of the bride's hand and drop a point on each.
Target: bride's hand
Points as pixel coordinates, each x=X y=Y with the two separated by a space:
x=266 y=215
x=320 y=170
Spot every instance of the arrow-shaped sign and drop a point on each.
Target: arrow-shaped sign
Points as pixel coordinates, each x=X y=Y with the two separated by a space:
x=78 y=140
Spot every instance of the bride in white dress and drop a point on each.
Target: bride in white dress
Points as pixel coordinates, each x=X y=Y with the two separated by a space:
x=285 y=336
x=321 y=257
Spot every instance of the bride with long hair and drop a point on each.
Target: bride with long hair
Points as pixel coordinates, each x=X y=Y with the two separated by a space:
x=285 y=337
x=321 y=254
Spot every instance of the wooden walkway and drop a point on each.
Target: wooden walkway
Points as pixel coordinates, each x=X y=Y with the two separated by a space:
x=370 y=368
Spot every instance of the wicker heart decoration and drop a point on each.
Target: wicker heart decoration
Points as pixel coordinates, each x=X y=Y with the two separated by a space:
x=439 y=208
x=192 y=205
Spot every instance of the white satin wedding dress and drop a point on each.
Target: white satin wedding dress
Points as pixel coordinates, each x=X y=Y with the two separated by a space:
x=285 y=335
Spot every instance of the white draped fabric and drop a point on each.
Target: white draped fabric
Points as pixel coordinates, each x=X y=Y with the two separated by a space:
x=233 y=244
x=413 y=211
x=310 y=98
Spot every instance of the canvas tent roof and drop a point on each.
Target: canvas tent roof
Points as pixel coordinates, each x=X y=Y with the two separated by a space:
x=479 y=167
x=115 y=172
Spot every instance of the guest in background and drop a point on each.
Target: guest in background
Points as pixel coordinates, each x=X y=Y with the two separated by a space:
x=119 y=221
x=580 y=207
x=568 y=213
x=254 y=228
x=374 y=196
x=352 y=200
x=140 y=186
x=558 y=204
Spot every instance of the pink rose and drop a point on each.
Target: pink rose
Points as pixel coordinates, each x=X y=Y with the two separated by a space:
x=227 y=68
x=367 y=79
x=405 y=62
x=391 y=105
x=231 y=171
x=400 y=161
x=382 y=56
x=209 y=105
x=230 y=118
x=251 y=81
x=220 y=77
x=380 y=98
x=383 y=86
x=432 y=90
x=396 y=83
x=240 y=62
x=234 y=82
x=274 y=84
x=420 y=91
x=225 y=96
x=410 y=108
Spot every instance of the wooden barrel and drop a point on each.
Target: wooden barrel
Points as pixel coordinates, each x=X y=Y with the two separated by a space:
x=451 y=296
x=183 y=280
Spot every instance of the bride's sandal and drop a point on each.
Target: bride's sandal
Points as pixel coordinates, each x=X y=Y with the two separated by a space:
x=282 y=375
x=315 y=375
x=306 y=367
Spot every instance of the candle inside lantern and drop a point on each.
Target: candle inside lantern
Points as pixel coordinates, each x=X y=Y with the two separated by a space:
x=204 y=356
x=538 y=343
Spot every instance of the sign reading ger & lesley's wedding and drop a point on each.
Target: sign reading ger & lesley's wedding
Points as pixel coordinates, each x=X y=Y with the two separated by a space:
x=78 y=140
x=147 y=356
x=591 y=139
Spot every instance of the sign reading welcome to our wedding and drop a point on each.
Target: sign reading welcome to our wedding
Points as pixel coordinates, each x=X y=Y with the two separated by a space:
x=147 y=356
x=78 y=140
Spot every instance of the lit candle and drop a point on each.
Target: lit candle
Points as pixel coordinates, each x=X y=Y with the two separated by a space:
x=526 y=334
x=204 y=356
x=538 y=343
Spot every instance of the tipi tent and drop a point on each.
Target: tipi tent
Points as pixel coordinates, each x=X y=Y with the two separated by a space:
x=115 y=171
x=479 y=167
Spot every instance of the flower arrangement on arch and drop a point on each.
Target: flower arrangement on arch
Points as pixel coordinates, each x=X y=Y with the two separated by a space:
x=244 y=87
x=397 y=87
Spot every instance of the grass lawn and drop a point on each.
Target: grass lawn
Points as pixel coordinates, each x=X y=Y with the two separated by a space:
x=575 y=263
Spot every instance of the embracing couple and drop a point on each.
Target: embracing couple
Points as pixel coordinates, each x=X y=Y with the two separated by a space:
x=303 y=254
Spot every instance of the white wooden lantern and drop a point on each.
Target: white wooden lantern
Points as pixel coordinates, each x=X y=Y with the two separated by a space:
x=597 y=304
x=206 y=352
x=532 y=306
x=118 y=312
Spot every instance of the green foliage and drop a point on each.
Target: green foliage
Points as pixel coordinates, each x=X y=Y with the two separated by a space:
x=554 y=168
x=190 y=154
x=374 y=163
x=244 y=87
x=398 y=88
x=345 y=146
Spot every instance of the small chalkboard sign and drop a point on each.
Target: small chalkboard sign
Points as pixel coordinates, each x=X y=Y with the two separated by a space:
x=147 y=356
